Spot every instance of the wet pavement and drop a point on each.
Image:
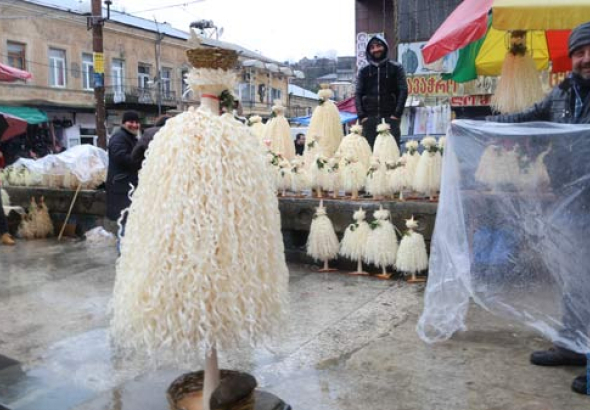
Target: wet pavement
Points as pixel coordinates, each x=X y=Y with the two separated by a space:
x=350 y=344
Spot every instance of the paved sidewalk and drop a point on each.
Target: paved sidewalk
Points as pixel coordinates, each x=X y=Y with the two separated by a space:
x=350 y=344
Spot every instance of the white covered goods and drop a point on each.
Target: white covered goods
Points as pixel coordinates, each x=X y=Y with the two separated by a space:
x=519 y=250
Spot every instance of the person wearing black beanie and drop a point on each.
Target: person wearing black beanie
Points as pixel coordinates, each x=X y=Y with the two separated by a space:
x=123 y=169
x=568 y=102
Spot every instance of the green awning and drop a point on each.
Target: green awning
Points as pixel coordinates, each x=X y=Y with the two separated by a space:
x=30 y=115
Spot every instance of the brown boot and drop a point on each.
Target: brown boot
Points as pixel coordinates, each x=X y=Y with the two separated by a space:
x=6 y=239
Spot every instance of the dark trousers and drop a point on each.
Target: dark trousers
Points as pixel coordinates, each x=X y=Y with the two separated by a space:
x=370 y=129
x=576 y=286
x=3 y=222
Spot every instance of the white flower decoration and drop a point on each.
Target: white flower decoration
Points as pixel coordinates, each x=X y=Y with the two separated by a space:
x=325 y=94
x=359 y=215
x=383 y=127
x=381 y=214
x=411 y=223
x=428 y=142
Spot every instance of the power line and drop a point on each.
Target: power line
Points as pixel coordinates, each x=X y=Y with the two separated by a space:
x=166 y=7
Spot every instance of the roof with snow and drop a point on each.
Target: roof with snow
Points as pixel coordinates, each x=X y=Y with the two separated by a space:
x=302 y=92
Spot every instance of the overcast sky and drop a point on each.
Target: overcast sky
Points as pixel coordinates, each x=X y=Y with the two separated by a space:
x=279 y=29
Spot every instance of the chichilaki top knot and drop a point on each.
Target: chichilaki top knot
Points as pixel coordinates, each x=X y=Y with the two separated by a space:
x=278 y=107
x=212 y=57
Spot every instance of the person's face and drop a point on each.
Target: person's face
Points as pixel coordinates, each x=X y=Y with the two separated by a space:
x=301 y=139
x=581 y=62
x=132 y=126
x=377 y=50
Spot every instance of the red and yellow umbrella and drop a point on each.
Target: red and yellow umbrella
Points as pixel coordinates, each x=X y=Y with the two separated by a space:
x=480 y=30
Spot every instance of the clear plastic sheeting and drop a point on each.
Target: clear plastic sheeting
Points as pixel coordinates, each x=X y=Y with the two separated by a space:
x=512 y=230
x=82 y=164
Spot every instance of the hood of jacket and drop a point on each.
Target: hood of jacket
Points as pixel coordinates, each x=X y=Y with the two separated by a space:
x=385 y=57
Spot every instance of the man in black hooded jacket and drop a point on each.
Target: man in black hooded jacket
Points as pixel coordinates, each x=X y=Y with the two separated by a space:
x=381 y=91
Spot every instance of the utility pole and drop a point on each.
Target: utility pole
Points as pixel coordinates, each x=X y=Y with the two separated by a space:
x=96 y=21
x=158 y=78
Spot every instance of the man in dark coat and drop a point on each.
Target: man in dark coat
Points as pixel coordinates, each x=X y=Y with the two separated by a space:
x=138 y=153
x=381 y=91
x=123 y=170
x=299 y=144
x=568 y=102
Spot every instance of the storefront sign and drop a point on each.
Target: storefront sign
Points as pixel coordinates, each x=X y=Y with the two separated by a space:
x=556 y=78
x=431 y=85
x=434 y=85
x=471 y=100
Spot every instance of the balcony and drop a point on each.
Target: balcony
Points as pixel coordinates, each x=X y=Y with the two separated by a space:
x=129 y=97
x=256 y=107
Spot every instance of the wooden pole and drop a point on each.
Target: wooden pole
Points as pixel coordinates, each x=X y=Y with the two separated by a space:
x=211 y=377
x=63 y=227
x=98 y=49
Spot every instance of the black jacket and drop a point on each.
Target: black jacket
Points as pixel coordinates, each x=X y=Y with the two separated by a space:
x=557 y=106
x=138 y=153
x=381 y=88
x=122 y=172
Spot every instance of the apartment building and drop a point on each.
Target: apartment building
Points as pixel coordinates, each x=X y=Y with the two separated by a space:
x=144 y=64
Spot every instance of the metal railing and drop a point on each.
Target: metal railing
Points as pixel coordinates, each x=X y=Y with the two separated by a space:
x=138 y=95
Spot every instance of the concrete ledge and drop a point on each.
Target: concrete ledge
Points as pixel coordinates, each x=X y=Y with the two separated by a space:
x=296 y=215
x=89 y=202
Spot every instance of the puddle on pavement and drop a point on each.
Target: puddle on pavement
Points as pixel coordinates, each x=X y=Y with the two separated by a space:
x=79 y=372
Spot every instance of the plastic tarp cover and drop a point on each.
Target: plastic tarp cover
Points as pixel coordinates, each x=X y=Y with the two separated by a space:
x=512 y=230
x=85 y=161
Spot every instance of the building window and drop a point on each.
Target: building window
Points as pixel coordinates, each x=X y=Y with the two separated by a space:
x=87 y=72
x=118 y=80
x=183 y=84
x=247 y=92
x=143 y=76
x=165 y=78
x=57 y=67
x=276 y=94
x=16 y=55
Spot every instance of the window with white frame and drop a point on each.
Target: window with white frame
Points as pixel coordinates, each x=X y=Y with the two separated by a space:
x=276 y=94
x=247 y=92
x=183 y=84
x=57 y=67
x=165 y=78
x=118 y=79
x=17 y=55
x=143 y=76
x=87 y=71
